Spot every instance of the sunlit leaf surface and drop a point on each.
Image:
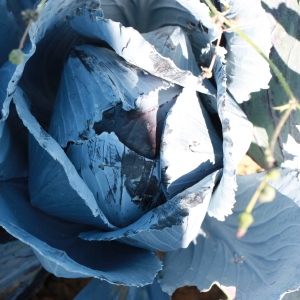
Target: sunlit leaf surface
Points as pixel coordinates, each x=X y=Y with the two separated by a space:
x=168 y=227
x=127 y=42
x=264 y=264
x=247 y=71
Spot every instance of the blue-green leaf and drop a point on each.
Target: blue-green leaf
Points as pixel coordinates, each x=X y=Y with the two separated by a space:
x=168 y=227
x=50 y=40
x=236 y=133
x=127 y=42
x=54 y=184
x=125 y=184
x=63 y=253
x=191 y=148
x=94 y=80
x=264 y=264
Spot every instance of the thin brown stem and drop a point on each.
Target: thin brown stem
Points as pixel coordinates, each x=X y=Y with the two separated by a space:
x=215 y=54
x=270 y=156
x=255 y=196
x=21 y=45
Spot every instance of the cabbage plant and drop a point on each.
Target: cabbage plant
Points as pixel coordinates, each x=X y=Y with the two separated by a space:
x=114 y=146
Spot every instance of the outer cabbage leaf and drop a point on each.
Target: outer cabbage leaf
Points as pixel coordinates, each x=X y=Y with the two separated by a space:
x=50 y=41
x=12 y=157
x=264 y=264
x=54 y=184
x=284 y=17
x=60 y=250
x=52 y=21
x=97 y=288
x=247 y=71
x=129 y=43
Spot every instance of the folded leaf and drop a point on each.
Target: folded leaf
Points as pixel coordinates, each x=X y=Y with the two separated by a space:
x=94 y=80
x=264 y=264
x=187 y=49
x=125 y=184
x=237 y=133
x=191 y=148
x=51 y=40
x=97 y=288
x=141 y=129
x=54 y=184
x=60 y=250
x=168 y=227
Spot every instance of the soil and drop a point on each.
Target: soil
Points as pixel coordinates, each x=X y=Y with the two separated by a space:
x=55 y=288
x=66 y=289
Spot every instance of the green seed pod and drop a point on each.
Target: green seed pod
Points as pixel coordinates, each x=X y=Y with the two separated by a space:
x=267 y=194
x=30 y=15
x=16 y=56
x=245 y=220
x=273 y=175
x=211 y=14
